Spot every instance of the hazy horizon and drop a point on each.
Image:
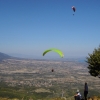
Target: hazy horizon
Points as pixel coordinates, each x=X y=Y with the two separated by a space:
x=76 y=58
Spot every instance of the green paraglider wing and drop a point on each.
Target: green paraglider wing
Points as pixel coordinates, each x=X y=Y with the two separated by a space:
x=46 y=51
x=55 y=50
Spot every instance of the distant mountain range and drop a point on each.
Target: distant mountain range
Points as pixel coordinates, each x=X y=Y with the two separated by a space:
x=4 y=56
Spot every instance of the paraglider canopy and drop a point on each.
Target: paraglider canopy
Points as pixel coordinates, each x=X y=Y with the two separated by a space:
x=74 y=9
x=55 y=50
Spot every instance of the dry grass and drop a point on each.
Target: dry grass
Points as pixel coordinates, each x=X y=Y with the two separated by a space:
x=94 y=98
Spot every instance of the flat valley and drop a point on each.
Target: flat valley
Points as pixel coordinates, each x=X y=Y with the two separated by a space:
x=35 y=76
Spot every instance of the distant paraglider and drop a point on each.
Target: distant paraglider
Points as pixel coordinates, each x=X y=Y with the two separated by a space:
x=74 y=9
x=52 y=70
x=55 y=50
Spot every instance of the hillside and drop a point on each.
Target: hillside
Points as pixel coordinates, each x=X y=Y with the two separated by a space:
x=4 y=56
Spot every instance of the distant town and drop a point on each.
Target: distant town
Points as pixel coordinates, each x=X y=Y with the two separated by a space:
x=37 y=73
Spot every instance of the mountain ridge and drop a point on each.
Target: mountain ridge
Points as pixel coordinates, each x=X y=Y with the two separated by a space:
x=4 y=56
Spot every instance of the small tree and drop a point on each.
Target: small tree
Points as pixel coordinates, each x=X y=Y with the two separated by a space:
x=94 y=62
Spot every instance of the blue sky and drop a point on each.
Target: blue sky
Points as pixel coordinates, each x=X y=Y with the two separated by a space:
x=28 y=27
